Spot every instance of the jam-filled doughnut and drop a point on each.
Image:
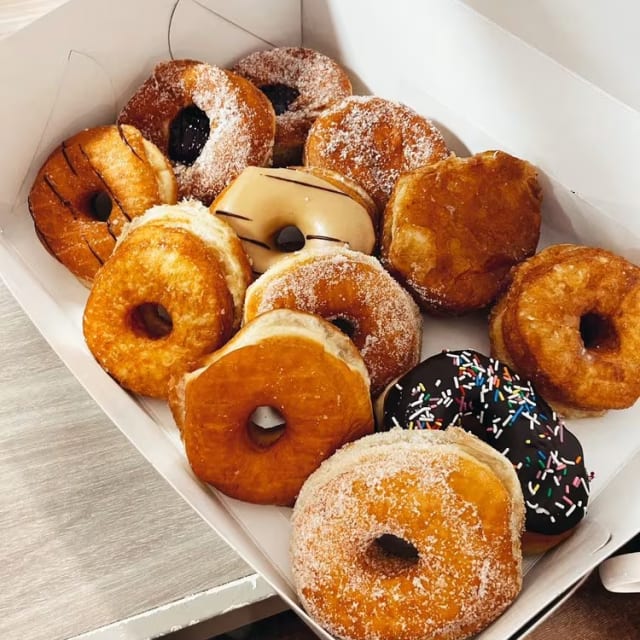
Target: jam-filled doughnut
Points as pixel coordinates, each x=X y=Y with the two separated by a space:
x=353 y=291
x=162 y=301
x=453 y=229
x=372 y=141
x=88 y=189
x=408 y=534
x=211 y=123
x=485 y=397
x=570 y=321
x=291 y=362
x=277 y=211
x=300 y=83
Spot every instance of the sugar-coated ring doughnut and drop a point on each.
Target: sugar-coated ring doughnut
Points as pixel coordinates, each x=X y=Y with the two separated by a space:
x=353 y=291
x=453 y=229
x=277 y=211
x=372 y=141
x=300 y=83
x=485 y=397
x=90 y=187
x=211 y=124
x=407 y=535
x=294 y=363
x=570 y=321
x=159 y=303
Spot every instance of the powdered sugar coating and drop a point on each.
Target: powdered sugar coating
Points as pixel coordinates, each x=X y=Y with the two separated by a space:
x=423 y=490
x=349 y=285
x=373 y=141
x=241 y=118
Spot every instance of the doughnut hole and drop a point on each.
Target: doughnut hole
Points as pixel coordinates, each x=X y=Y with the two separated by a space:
x=598 y=333
x=280 y=95
x=347 y=325
x=289 y=239
x=266 y=426
x=188 y=133
x=391 y=555
x=100 y=206
x=151 y=320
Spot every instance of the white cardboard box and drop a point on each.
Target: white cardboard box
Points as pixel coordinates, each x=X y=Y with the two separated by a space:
x=484 y=86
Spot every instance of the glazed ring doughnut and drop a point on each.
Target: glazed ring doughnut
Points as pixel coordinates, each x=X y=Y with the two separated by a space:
x=373 y=141
x=277 y=211
x=160 y=303
x=453 y=229
x=301 y=84
x=295 y=363
x=211 y=124
x=355 y=293
x=570 y=321
x=89 y=187
x=482 y=395
x=408 y=534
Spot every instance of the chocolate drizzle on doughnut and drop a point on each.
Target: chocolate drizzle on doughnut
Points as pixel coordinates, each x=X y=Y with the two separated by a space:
x=306 y=184
x=482 y=395
x=280 y=95
x=220 y=212
x=188 y=133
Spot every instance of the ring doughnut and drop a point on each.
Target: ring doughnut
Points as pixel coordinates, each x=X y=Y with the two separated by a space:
x=453 y=229
x=570 y=322
x=277 y=211
x=300 y=83
x=160 y=303
x=294 y=363
x=354 y=292
x=408 y=534
x=482 y=395
x=209 y=122
x=373 y=141
x=88 y=189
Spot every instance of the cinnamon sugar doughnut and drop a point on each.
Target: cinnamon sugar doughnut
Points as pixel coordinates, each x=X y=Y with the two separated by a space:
x=372 y=141
x=211 y=123
x=408 y=534
x=354 y=292
x=90 y=187
x=300 y=83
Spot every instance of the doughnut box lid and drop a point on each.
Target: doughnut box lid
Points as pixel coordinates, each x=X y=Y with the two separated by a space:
x=513 y=78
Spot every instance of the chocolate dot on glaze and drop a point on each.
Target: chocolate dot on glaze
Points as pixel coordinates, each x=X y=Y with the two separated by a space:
x=280 y=95
x=188 y=133
x=289 y=239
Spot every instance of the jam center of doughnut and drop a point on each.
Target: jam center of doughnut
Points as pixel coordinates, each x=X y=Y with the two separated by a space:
x=598 y=333
x=188 y=133
x=100 y=205
x=391 y=555
x=151 y=320
x=289 y=239
x=280 y=95
x=266 y=426
x=346 y=325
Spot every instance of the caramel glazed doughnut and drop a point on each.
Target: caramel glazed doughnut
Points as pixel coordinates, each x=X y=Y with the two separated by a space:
x=90 y=187
x=298 y=365
x=301 y=84
x=171 y=292
x=408 y=534
x=353 y=291
x=277 y=211
x=485 y=397
x=570 y=321
x=210 y=122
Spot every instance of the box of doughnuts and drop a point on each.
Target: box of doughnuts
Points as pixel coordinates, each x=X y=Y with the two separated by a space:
x=360 y=280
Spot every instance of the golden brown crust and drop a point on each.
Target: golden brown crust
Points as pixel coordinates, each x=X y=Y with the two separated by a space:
x=319 y=81
x=112 y=160
x=271 y=362
x=241 y=118
x=452 y=230
x=373 y=141
x=157 y=266
x=537 y=326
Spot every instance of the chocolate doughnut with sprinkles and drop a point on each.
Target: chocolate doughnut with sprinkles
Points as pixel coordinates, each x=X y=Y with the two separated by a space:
x=485 y=397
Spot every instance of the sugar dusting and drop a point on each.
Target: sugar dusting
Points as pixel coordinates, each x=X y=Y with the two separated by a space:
x=372 y=141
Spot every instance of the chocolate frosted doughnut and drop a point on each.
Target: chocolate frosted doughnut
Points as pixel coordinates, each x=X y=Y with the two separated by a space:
x=482 y=395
